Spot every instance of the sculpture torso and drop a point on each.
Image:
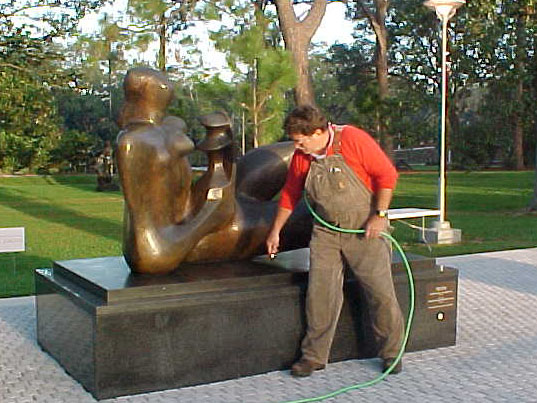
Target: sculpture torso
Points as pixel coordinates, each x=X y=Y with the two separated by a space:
x=223 y=216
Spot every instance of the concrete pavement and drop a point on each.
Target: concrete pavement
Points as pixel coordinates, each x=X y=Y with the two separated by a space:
x=495 y=359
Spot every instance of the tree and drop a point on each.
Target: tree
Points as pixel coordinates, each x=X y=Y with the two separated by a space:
x=532 y=206
x=29 y=124
x=506 y=51
x=522 y=25
x=376 y=13
x=161 y=19
x=297 y=36
x=264 y=70
x=74 y=149
x=330 y=95
x=345 y=83
x=84 y=112
x=51 y=18
x=346 y=87
x=533 y=202
x=31 y=66
x=487 y=58
x=197 y=96
x=105 y=47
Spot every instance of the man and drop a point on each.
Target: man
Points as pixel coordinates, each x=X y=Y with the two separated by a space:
x=349 y=182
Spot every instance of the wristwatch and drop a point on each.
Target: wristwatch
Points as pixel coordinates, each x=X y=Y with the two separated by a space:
x=382 y=213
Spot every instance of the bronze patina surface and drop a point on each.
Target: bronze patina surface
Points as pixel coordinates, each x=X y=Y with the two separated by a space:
x=168 y=220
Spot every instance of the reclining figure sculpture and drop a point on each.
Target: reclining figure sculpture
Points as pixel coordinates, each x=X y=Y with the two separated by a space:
x=225 y=215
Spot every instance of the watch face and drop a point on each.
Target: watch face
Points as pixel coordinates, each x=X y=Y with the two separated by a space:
x=382 y=213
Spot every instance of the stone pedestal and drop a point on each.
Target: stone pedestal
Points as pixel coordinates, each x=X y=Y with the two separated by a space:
x=119 y=334
x=442 y=233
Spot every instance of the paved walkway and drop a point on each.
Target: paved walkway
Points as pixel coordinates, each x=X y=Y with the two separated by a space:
x=495 y=359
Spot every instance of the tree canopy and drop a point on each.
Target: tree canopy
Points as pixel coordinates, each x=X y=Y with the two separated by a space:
x=58 y=85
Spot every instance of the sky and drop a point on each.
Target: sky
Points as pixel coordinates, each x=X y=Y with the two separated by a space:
x=334 y=28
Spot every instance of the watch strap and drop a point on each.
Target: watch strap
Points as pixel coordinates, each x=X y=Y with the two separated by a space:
x=382 y=213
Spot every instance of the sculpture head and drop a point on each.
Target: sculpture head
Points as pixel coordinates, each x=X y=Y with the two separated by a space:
x=219 y=134
x=147 y=95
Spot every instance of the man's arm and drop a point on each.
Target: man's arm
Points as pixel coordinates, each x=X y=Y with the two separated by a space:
x=382 y=173
x=291 y=193
x=375 y=225
x=273 y=238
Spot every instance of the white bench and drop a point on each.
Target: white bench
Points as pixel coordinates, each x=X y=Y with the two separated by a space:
x=413 y=212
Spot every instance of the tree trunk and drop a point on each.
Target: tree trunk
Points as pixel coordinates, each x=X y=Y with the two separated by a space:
x=533 y=202
x=110 y=72
x=162 y=43
x=381 y=61
x=255 y=108
x=520 y=66
x=518 y=130
x=297 y=37
x=304 y=88
x=377 y=21
x=110 y=114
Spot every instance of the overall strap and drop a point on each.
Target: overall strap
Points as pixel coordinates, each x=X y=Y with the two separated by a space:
x=336 y=143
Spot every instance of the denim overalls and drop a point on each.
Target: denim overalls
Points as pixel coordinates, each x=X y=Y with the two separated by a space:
x=342 y=199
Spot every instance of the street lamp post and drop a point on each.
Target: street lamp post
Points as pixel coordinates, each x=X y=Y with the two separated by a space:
x=443 y=233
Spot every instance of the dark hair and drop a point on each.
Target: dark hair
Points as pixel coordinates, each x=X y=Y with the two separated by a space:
x=304 y=120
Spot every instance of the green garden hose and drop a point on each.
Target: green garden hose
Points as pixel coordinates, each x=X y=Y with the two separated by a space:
x=408 y=321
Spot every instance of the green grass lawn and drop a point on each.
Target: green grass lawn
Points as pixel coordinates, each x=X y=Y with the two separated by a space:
x=65 y=218
x=489 y=207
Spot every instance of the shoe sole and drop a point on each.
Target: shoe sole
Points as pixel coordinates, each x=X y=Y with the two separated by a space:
x=397 y=370
x=301 y=374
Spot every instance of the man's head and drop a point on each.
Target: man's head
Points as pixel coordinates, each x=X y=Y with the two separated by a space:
x=307 y=127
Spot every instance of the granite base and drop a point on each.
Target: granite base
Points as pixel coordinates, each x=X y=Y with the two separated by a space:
x=119 y=334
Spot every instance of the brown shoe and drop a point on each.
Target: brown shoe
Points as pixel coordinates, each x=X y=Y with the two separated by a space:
x=305 y=367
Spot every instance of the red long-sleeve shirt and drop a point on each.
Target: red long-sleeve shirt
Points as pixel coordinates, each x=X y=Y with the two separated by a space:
x=360 y=152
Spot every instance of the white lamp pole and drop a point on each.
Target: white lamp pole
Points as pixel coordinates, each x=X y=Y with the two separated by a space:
x=445 y=9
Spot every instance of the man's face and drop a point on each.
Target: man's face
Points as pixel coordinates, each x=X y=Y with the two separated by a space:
x=312 y=144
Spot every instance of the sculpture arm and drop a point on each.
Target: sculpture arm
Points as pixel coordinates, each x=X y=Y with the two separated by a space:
x=133 y=162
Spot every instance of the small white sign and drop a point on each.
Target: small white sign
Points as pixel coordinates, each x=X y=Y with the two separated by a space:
x=12 y=239
x=214 y=194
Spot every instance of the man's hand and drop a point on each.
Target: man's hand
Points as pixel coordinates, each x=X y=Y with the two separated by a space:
x=273 y=238
x=273 y=242
x=374 y=226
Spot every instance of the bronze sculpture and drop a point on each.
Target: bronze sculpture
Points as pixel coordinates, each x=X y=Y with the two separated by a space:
x=105 y=169
x=225 y=215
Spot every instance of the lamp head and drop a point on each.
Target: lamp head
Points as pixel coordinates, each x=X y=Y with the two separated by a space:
x=445 y=9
